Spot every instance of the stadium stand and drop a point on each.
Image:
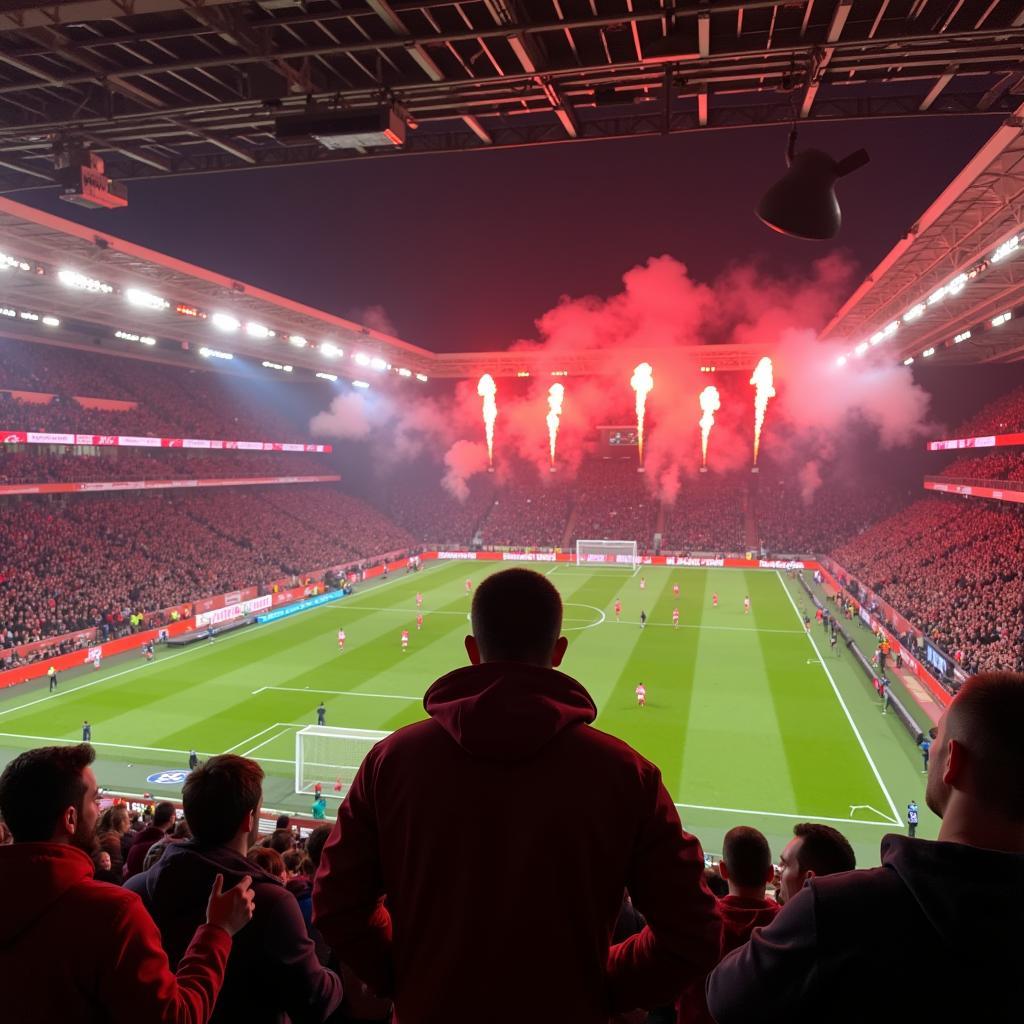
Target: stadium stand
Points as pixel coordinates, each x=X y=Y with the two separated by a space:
x=529 y=510
x=1005 y=464
x=956 y=569
x=1005 y=415
x=707 y=515
x=429 y=511
x=613 y=503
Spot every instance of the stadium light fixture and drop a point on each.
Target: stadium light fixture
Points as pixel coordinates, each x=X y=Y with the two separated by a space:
x=998 y=321
x=225 y=322
x=928 y=352
x=803 y=202
x=284 y=368
x=25 y=315
x=841 y=361
x=145 y=300
x=214 y=353
x=13 y=263
x=914 y=313
x=378 y=364
x=362 y=358
x=403 y=372
x=73 y=279
x=327 y=376
x=7 y=311
x=184 y=310
x=423 y=377
x=861 y=348
x=1008 y=247
x=522 y=373
x=360 y=384
x=51 y=321
x=142 y=339
x=878 y=337
x=255 y=330
x=330 y=350
x=297 y=340
x=962 y=336
x=908 y=361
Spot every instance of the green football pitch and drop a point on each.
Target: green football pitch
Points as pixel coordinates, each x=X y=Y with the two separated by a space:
x=750 y=719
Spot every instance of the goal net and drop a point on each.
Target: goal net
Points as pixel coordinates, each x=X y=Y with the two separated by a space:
x=620 y=554
x=327 y=754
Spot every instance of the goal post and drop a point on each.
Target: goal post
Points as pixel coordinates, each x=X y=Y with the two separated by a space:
x=328 y=754
x=622 y=554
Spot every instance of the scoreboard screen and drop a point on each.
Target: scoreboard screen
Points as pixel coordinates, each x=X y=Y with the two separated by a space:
x=617 y=441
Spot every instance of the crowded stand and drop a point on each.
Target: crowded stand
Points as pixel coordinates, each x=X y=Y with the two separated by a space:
x=955 y=568
x=1005 y=415
x=707 y=515
x=95 y=561
x=613 y=502
x=1004 y=464
x=432 y=513
x=529 y=512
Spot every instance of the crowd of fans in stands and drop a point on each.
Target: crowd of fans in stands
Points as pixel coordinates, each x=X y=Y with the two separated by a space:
x=1005 y=415
x=96 y=560
x=613 y=503
x=955 y=568
x=529 y=511
x=1004 y=464
x=707 y=515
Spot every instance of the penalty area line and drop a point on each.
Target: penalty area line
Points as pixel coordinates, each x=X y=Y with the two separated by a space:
x=791 y=817
x=333 y=693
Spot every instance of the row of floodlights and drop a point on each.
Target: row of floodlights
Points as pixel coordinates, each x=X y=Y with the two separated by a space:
x=224 y=322
x=1008 y=248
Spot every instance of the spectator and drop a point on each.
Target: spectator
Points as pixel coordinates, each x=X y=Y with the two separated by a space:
x=270 y=861
x=99 y=949
x=113 y=827
x=274 y=974
x=746 y=867
x=814 y=850
x=953 y=905
x=456 y=943
x=282 y=840
x=163 y=821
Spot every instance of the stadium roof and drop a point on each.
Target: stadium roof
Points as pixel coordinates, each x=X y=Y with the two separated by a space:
x=949 y=283
x=169 y=87
x=150 y=305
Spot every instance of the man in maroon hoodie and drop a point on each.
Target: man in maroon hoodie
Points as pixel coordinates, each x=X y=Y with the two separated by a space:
x=746 y=866
x=73 y=949
x=947 y=914
x=478 y=863
x=163 y=822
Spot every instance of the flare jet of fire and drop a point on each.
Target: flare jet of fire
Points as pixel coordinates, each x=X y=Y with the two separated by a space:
x=555 y=395
x=764 y=385
x=488 y=390
x=642 y=383
x=710 y=403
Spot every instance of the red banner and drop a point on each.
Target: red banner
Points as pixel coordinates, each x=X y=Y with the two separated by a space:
x=156 y=485
x=976 y=491
x=144 y=441
x=986 y=441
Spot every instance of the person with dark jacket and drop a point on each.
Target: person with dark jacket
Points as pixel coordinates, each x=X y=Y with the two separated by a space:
x=273 y=975
x=746 y=867
x=950 y=909
x=74 y=949
x=163 y=821
x=505 y=799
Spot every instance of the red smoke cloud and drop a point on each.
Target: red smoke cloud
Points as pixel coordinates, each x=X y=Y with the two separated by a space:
x=660 y=309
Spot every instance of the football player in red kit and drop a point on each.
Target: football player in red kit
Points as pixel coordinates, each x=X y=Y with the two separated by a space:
x=419 y=621
x=618 y=610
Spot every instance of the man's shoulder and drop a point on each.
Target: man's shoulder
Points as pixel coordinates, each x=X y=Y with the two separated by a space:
x=102 y=902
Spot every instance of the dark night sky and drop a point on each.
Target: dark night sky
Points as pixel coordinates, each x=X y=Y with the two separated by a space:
x=464 y=251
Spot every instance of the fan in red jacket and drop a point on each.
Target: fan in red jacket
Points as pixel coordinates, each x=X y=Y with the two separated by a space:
x=747 y=866
x=501 y=833
x=73 y=949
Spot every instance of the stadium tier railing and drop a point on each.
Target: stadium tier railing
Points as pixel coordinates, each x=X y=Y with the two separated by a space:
x=968 y=487
x=149 y=441
x=95 y=487
x=900 y=709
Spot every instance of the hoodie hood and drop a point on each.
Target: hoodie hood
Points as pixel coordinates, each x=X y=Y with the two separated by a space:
x=507 y=711
x=33 y=877
x=740 y=916
x=958 y=888
x=178 y=885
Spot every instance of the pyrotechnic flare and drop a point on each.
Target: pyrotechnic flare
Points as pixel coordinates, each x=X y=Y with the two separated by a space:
x=765 y=388
x=487 y=390
x=710 y=403
x=555 y=395
x=642 y=382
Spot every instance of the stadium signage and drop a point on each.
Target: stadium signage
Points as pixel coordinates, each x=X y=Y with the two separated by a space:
x=151 y=485
x=234 y=611
x=774 y=563
x=465 y=555
x=173 y=777
x=143 y=441
x=529 y=556
x=300 y=606
x=694 y=562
